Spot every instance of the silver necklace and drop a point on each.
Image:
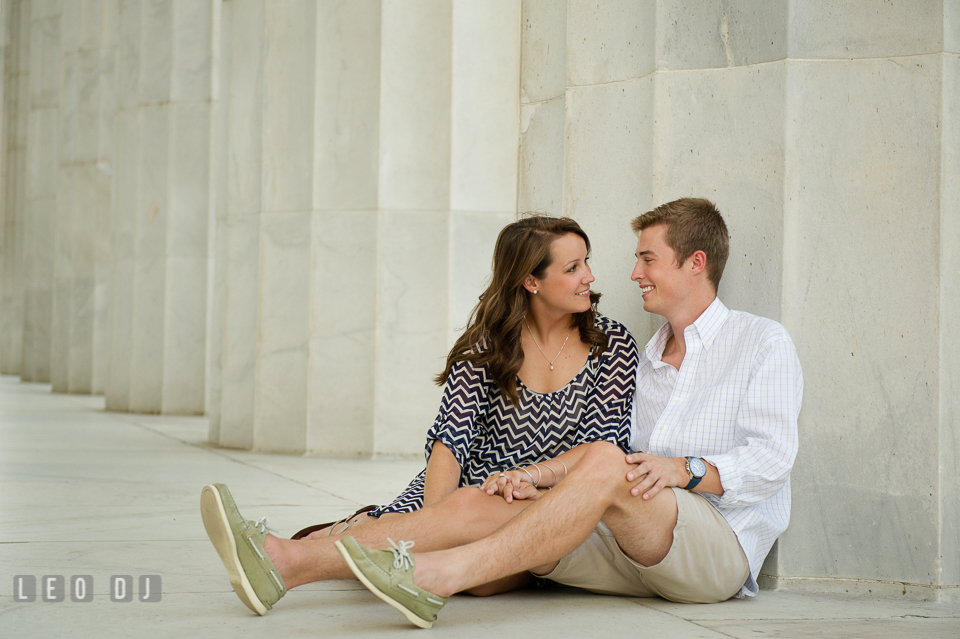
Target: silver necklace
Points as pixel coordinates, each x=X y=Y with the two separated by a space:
x=541 y=350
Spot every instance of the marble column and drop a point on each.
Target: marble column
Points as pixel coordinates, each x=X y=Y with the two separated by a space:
x=14 y=220
x=84 y=192
x=293 y=321
x=163 y=207
x=361 y=175
x=42 y=177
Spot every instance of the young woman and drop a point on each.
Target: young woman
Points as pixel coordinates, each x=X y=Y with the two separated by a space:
x=536 y=372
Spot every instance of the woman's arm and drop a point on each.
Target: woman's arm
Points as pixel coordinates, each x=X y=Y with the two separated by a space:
x=443 y=474
x=518 y=484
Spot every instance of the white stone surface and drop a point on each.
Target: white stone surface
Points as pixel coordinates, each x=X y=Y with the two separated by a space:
x=949 y=355
x=484 y=105
x=823 y=29
x=862 y=185
x=543 y=52
x=720 y=135
x=608 y=181
x=343 y=318
x=415 y=52
x=412 y=303
x=726 y=33
x=540 y=188
x=610 y=41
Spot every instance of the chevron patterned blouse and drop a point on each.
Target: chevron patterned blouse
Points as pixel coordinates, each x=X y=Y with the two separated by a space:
x=487 y=433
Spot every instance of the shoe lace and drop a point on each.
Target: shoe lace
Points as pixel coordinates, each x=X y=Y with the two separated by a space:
x=401 y=557
x=261 y=525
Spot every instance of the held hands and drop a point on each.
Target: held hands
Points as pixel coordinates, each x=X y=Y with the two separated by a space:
x=510 y=484
x=652 y=474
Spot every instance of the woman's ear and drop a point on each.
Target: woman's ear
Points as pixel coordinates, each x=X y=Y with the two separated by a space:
x=531 y=284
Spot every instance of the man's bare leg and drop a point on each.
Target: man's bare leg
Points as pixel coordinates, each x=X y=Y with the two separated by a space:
x=555 y=525
x=466 y=515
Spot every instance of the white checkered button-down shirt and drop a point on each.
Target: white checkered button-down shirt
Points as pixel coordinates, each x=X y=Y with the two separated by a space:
x=734 y=402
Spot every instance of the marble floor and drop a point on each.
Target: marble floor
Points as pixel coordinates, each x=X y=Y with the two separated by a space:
x=86 y=492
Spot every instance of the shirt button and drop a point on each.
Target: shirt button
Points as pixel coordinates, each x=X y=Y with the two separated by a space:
x=670 y=374
x=676 y=400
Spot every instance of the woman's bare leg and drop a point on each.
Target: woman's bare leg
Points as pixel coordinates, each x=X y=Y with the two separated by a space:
x=356 y=522
x=465 y=516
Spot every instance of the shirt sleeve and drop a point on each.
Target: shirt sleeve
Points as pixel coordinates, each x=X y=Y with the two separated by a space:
x=465 y=400
x=766 y=425
x=607 y=417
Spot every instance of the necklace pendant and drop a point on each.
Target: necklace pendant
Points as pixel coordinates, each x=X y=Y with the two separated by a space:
x=551 y=366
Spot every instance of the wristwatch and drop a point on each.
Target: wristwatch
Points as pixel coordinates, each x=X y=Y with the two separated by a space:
x=697 y=470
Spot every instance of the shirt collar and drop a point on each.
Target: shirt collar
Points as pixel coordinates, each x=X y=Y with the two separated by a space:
x=706 y=327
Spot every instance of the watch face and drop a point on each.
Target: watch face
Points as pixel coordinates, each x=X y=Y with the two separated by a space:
x=697 y=467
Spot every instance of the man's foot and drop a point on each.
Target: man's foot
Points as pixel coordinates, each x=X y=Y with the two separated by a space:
x=239 y=542
x=389 y=575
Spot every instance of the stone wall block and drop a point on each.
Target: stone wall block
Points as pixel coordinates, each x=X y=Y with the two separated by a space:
x=610 y=41
x=541 y=169
x=608 y=180
x=863 y=162
x=949 y=444
x=189 y=169
x=283 y=324
x=412 y=325
x=191 y=50
x=484 y=105
x=825 y=29
x=288 y=113
x=343 y=307
x=239 y=360
x=185 y=328
x=415 y=104
x=156 y=51
x=346 y=119
x=739 y=165
x=721 y=34
x=543 y=50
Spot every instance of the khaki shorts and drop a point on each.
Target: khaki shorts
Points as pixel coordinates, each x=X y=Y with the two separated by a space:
x=705 y=563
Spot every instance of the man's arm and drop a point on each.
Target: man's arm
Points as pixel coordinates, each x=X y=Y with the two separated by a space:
x=766 y=423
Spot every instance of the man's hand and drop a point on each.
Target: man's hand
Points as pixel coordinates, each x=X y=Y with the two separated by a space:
x=510 y=484
x=652 y=474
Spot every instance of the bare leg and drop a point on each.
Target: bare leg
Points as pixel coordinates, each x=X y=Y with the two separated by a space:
x=355 y=523
x=464 y=516
x=556 y=524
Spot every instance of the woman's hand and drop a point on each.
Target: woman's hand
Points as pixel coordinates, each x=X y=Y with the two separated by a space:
x=510 y=484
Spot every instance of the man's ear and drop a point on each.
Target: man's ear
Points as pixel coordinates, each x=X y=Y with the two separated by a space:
x=697 y=262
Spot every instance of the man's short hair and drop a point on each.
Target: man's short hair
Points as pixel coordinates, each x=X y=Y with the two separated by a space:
x=693 y=224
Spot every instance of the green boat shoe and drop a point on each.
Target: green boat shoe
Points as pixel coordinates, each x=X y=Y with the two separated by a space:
x=239 y=542
x=389 y=575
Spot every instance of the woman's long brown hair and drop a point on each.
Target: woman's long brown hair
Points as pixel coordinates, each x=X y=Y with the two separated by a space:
x=492 y=336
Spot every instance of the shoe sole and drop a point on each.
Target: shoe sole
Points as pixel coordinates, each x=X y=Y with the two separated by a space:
x=411 y=617
x=218 y=530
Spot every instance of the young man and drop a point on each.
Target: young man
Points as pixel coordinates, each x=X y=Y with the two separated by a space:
x=693 y=516
x=715 y=412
